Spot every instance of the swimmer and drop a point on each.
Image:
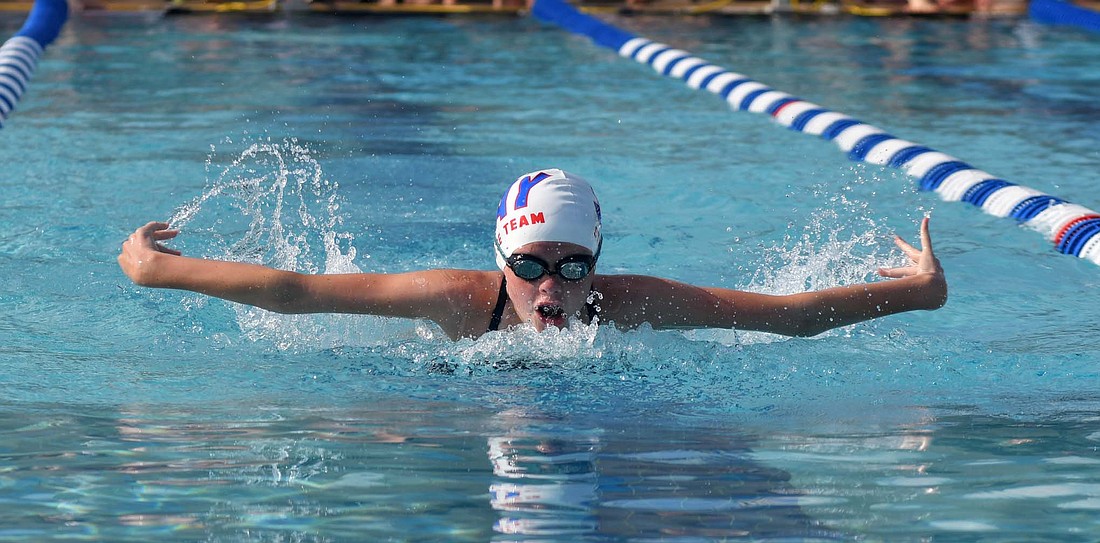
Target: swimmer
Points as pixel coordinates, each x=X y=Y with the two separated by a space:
x=547 y=246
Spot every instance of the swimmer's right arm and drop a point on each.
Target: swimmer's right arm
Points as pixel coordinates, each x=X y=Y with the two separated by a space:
x=424 y=294
x=148 y=263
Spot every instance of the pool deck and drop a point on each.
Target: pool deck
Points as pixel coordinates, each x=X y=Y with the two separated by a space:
x=872 y=8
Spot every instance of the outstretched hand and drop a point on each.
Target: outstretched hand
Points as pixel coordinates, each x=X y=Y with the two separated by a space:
x=141 y=247
x=923 y=263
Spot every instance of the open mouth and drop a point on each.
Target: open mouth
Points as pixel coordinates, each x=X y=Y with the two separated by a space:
x=551 y=312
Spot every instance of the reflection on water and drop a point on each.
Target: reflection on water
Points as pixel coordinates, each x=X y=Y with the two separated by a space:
x=547 y=481
x=445 y=471
x=567 y=483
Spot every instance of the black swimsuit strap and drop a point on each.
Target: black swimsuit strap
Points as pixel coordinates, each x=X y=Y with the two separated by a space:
x=498 y=311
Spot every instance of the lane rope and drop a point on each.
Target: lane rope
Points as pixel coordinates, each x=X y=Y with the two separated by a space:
x=1072 y=228
x=19 y=55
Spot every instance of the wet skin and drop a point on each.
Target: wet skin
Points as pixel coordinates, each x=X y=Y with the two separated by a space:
x=548 y=300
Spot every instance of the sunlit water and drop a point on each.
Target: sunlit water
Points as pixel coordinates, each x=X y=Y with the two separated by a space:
x=382 y=144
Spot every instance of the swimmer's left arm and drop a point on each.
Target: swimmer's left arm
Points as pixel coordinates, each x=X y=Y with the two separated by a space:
x=668 y=304
x=918 y=286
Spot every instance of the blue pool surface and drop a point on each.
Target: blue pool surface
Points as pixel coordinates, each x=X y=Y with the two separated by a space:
x=328 y=144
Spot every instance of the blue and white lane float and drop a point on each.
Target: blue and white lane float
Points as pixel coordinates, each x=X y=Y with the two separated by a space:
x=19 y=55
x=1074 y=229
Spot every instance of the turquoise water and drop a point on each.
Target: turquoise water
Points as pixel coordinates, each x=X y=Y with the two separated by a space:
x=335 y=144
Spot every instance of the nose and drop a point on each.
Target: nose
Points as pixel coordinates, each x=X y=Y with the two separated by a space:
x=550 y=284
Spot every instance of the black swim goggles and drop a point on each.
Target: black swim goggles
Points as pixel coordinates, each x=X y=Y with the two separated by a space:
x=570 y=268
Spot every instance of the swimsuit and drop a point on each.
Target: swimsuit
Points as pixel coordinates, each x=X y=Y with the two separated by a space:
x=502 y=299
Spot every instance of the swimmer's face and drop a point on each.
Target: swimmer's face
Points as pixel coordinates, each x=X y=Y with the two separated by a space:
x=549 y=300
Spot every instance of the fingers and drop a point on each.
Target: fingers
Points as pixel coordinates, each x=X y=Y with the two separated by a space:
x=925 y=237
x=152 y=226
x=928 y=262
x=156 y=230
x=149 y=235
x=912 y=252
x=161 y=235
x=923 y=260
x=895 y=273
x=168 y=250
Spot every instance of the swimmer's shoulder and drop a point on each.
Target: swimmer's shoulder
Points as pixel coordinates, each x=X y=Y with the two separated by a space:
x=630 y=300
x=621 y=295
x=628 y=284
x=462 y=285
x=469 y=297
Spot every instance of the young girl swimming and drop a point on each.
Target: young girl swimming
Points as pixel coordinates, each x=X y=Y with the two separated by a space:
x=548 y=241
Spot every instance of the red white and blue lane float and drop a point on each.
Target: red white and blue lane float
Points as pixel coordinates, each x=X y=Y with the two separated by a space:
x=1073 y=229
x=19 y=55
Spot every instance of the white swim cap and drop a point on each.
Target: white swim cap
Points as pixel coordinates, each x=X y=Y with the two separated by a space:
x=547 y=205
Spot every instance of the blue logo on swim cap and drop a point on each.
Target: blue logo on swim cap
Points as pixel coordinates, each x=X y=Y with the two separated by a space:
x=525 y=184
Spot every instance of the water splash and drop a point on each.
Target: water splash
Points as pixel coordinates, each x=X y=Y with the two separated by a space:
x=523 y=346
x=593 y=300
x=823 y=255
x=844 y=242
x=285 y=208
x=273 y=205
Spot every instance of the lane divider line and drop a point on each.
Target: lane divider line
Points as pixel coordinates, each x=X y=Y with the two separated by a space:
x=1072 y=228
x=19 y=55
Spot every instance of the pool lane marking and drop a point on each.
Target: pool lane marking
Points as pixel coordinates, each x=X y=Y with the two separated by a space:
x=19 y=55
x=1073 y=229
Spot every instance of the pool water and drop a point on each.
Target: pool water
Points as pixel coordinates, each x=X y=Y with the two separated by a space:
x=329 y=144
